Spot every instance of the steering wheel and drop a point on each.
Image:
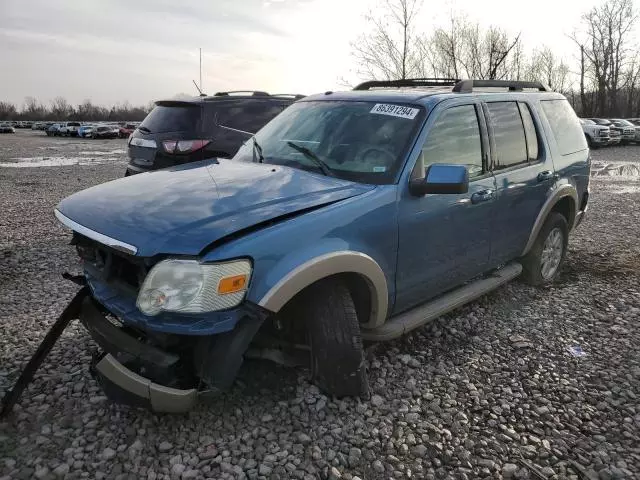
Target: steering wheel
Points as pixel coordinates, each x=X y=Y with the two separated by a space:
x=384 y=156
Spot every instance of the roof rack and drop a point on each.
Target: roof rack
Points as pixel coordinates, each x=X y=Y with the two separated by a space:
x=233 y=92
x=408 y=82
x=467 y=86
x=297 y=96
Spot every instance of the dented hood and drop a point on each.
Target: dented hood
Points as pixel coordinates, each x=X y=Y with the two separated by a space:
x=184 y=209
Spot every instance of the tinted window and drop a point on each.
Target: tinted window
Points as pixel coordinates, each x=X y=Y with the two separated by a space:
x=172 y=118
x=565 y=126
x=248 y=116
x=529 y=131
x=508 y=132
x=455 y=138
x=359 y=141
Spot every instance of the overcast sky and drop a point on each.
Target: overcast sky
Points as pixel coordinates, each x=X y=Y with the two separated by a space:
x=116 y=50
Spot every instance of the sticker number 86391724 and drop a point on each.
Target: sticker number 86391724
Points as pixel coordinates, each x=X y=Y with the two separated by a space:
x=394 y=110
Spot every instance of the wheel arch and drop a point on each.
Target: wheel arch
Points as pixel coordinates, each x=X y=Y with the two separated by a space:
x=358 y=270
x=563 y=200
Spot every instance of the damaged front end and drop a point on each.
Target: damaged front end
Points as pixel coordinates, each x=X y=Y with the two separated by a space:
x=161 y=362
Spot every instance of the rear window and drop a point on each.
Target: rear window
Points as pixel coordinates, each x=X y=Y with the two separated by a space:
x=73 y=124
x=565 y=126
x=248 y=116
x=172 y=118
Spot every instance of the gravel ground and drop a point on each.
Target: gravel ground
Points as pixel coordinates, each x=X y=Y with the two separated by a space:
x=489 y=391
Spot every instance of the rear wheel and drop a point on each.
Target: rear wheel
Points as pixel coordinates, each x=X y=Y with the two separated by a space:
x=542 y=264
x=337 y=356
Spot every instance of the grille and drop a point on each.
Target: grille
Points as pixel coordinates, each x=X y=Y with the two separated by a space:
x=110 y=266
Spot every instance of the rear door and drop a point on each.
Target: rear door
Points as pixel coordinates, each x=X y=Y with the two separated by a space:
x=236 y=121
x=524 y=174
x=445 y=239
x=167 y=121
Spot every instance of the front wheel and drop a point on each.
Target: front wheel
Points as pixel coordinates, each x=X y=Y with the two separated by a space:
x=337 y=356
x=542 y=264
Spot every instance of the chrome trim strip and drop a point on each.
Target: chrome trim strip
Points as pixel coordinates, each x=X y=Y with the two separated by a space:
x=345 y=261
x=98 y=237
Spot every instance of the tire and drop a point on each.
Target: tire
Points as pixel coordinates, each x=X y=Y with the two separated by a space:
x=589 y=141
x=337 y=356
x=533 y=264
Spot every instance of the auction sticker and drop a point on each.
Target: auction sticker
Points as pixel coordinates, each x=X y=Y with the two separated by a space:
x=394 y=110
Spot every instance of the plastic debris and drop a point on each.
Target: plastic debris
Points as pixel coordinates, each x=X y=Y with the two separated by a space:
x=576 y=351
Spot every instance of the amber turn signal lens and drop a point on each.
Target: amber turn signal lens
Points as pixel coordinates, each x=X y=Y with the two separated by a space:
x=232 y=284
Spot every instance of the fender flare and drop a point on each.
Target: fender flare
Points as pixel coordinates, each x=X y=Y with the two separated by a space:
x=563 y=191
x=324 y=266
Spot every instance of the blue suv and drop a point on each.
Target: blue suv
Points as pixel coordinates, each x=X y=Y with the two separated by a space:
x=350 y=217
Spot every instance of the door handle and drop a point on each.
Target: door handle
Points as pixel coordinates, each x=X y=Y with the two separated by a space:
x=546 y=175
x=482 y=196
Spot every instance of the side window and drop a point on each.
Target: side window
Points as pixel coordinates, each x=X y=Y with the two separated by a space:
x=248 y=116
x=508 y=132
x=529 y=131
x=565 y=126
x=454 y=138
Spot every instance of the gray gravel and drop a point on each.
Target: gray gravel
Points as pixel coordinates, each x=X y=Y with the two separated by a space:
x=489 y=391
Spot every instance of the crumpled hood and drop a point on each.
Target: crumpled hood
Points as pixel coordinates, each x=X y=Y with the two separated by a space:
x=183 y=209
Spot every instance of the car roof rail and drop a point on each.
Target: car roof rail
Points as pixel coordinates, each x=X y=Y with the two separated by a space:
x=255 y=93
x=297 y=96
x=468 y=86
x=408 y=82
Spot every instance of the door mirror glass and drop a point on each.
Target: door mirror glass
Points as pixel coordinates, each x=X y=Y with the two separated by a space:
x=441 y=178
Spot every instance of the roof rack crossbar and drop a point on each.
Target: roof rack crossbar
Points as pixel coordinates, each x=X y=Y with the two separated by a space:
x=467 y=86
x=252 y=92
x=408 y=82
x=297 y=96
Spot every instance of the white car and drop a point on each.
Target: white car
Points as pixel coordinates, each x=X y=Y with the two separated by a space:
x=69 y=129
x=597 y=135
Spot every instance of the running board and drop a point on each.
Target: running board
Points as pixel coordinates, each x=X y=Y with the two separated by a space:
x=422 y=314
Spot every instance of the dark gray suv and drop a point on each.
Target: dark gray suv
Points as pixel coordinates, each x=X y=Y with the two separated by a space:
x=182 y=131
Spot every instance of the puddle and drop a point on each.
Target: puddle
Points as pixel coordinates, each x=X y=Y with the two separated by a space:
x=30 y=162
x=615 y=170
x=119 y=151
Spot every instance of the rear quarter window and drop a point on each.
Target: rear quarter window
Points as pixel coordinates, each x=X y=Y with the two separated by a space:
x=564 y=125
x=172 y=118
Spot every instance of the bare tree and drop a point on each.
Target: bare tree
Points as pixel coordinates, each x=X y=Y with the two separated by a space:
x=390 y=50
x=546 y=67
x=60 y=108
x=463 y=49
x=605 y=50
x=8 y=111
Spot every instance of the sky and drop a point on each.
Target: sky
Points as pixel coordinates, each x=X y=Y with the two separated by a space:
x=112 y=51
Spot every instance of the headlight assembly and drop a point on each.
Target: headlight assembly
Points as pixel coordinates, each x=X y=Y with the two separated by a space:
x=188 y=286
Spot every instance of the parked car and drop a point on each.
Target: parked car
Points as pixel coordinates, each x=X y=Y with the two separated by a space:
x=125 y=130
x=178 y=132
x=69 y=129
x=86 y=130
x=103 y=131
x=615 y=132
x=7 y=128
x=53 y=130
x=596 y=135
x=630 y=133
x=351 y=216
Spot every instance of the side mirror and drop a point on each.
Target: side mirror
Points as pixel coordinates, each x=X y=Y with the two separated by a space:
x=441 y=178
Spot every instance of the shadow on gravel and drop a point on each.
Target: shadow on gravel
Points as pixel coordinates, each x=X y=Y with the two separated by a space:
x=605 y=265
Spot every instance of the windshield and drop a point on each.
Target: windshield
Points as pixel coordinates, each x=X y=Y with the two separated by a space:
x=601 y=121
x=586 y=121
x=359 y=141
x=623 y=123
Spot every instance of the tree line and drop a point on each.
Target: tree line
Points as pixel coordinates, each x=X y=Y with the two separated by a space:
x=602 y=79
x=60 y=109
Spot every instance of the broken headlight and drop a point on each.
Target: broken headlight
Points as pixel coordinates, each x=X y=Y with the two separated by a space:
x=188 y=286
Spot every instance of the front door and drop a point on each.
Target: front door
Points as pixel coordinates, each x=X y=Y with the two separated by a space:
x=445 y=239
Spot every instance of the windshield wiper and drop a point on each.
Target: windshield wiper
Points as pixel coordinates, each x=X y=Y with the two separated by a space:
x=257 y=149
x=312 y=156
x=144 y=129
